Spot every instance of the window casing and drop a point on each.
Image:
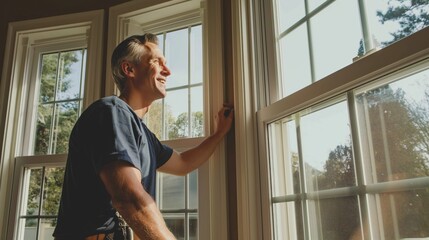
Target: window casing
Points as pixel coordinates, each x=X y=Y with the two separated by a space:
x=342 y=125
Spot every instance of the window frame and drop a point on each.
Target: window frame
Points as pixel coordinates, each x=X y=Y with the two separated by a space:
x=212 y=200
x=406 y=53
x=22 y=38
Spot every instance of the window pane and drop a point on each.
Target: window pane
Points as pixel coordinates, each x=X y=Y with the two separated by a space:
x=48 y=77
x=30 y=229
x=326 y=148
x=335 y=34
x=197 y=114
x=44 y=128
x=289 y=12
x=313 y=4
x=47 y=226
x=70 y=72
x=284 y=158
x=176 y=54
x=405 y=214
x=176 y=224
x=31 y=205
x=295 y=61
x=193 y=226
x=161 y=42
x=65 y=116
x=336 y=218
x=393 y=122
x=193 y=190
x=177 y=105
x=172 y=191
x=154 y=117
x=391 y=21
x=52 y=190
x=196 y=60
x=287 y=217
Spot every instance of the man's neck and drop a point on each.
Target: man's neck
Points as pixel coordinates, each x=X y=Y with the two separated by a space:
x=139 y=106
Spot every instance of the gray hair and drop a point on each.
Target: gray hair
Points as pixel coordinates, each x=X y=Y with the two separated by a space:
x=131 y=49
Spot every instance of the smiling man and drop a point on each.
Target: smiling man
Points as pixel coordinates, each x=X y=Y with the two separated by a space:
x=109 y=184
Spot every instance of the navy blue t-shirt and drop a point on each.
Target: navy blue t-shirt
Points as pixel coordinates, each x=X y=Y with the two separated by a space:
x=108 y=130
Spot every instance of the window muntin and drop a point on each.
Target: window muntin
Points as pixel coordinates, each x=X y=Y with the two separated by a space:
x=336 y=33
x=391 y=119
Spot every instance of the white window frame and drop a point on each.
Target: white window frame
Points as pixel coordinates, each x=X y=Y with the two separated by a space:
x=22 y=41
x=212 y=199
x=407 y=52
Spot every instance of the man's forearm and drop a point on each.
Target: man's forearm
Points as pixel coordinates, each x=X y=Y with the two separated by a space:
x=147 y=222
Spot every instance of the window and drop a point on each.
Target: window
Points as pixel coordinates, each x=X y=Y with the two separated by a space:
x=181 y=119
x=343 y=153
x=59 y=84
x=49 y=65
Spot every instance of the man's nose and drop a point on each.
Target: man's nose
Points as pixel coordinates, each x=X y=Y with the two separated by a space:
x=165 y=71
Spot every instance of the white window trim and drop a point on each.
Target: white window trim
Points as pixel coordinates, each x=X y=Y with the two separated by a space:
x=404 y=53
x=212 y=199
x=14 y=85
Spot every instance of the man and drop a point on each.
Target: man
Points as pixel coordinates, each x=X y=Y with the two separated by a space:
x=113 y=158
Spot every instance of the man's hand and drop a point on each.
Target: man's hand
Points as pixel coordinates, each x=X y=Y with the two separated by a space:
x=224 y=119
x=185 y=162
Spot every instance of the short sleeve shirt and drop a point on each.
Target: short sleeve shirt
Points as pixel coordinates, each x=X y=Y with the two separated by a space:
x=108 y=130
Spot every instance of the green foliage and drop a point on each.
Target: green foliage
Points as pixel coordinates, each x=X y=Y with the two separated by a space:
x=412 y=16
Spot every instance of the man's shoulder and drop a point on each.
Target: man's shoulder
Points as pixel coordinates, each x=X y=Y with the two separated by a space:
x=110 y=102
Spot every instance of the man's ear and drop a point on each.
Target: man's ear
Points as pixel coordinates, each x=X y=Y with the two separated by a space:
x=128 y=69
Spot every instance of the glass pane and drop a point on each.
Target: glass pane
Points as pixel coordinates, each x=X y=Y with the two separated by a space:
x=313 y=4
x=335 y=33
x=193 y=189
x=326 y=148
x=405 y=214
x=176 y=224
x=70 y=72
x=43 y=130
x=172 y=191
x=52 y=190
x=287 y=217
x=176 y=54
x=196 y=55
x=32 y=200
x=65 y=116
x=391 y=21
x=30 y=229
x=153 y=118
x=295 y=61
x=47 y=226
x=48 y=77
x=336 y=218
x=394 y=122
x=193 y=226
x=197 y=112
x=177 y=105
x=288 y=13
x=284 y=159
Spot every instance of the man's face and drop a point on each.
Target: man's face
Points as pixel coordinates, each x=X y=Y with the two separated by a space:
x=151 y=74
